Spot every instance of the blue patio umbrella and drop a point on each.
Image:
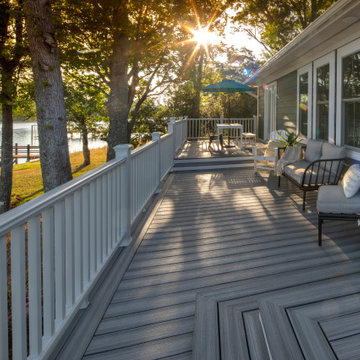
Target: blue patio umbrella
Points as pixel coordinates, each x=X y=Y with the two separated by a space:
x=227 y=86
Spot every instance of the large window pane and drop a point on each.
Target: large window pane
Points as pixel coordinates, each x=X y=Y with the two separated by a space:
x=322 y=102
x=322 y=124
x=304 y=103
x=351 y=108
x=351 y=76
x=323 y=77
x=352 y=123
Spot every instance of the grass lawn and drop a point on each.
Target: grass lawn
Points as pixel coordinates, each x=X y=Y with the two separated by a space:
x=27 y=180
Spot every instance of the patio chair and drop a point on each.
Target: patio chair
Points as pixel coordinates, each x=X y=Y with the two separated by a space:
x=340 y=202
x=214 y=137
x=266 y=156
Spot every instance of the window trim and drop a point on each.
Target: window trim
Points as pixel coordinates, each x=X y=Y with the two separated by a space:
x=307 y=69
x=328 y=59
x=349 y=49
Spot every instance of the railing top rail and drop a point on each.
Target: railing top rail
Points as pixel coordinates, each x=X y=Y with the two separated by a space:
x=250 y=118
x=21 y=214
x=164 y=137
x=142 y=148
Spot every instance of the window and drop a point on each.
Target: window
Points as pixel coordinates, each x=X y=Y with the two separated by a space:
x=304 y=101
x=351 y=99
x=322 y=102
x=303 y=104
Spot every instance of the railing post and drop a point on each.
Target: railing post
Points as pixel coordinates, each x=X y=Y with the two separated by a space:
x=156 y=137
x=123 y=151
x=28 y=152
x=172 y=130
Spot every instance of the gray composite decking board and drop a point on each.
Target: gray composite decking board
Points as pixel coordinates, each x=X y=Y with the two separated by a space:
x=215 y=248
x=139 y=335
x=155 y=302
x=149 y=305
x=229 y=239
x=347 y=348
x=236 y=263
x=171 y=346
x=199 y=283
x=237 y=240
x=256 y=340
x=243 y=295
x=112 y=321
x=341 y=326
x=219 y=257
x=306 y=319
x=281 y=339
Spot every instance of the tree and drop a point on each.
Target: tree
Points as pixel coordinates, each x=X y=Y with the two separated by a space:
x=275 y=23
x=12 y=51
x=86 y=111
x=128 y=46
x=49 y=94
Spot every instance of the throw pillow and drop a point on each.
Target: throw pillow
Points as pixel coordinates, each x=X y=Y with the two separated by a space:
x=351 y=181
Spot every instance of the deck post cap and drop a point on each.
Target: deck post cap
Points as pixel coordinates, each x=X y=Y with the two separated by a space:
x=122 y=151
x=155 y=136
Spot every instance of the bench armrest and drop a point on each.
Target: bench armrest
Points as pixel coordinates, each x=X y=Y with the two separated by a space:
x=330 y=175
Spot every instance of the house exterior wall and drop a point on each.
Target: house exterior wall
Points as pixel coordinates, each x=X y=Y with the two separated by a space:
x=286 y=102
x=261 y=114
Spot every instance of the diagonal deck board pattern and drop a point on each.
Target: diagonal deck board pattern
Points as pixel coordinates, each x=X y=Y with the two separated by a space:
x=211 y=229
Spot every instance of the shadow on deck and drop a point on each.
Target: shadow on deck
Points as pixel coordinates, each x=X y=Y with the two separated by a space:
x=210 y=230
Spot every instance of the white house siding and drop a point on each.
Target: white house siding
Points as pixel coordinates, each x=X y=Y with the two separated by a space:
x=286 y=102
x=261 y=113
x=335 y=35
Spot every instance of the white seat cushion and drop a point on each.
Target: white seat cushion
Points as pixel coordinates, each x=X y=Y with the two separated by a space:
x=297 y=169
x=351 y=181
x=332 y=200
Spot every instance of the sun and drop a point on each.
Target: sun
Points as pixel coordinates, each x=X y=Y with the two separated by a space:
x=204 y=37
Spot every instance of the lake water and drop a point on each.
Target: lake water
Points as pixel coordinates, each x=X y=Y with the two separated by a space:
x=26 y=133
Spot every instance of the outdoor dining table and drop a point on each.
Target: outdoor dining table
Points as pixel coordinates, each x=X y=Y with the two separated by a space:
x=222 y=127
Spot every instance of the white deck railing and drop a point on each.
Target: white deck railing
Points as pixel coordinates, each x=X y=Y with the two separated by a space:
x=203 y=127
x=54 y=248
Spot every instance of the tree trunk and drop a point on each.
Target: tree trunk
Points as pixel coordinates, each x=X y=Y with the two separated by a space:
x=49 y=94
x=6 y=157
x=85 y=145
x=197 y=84
x=118 y=100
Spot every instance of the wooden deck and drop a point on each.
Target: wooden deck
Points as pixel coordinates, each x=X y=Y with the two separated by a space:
x=199 y=149
x=212 y=230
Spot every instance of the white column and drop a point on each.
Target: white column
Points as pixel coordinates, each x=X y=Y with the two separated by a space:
x=156 y=138
x=123 y=151
x=172 y=130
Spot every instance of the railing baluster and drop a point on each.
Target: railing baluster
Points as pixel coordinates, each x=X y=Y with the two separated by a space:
x=92 y=228
x=48 y=272
x=59 y=217
x=4 y=353
x=99 y=232
x=104 y=216
x=69 y=248
x=18 y=296
x=108 y=208
x=78 y=244
x=85 y=235
x=35 y=315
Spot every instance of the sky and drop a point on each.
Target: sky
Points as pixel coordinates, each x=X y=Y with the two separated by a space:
x=239 y=38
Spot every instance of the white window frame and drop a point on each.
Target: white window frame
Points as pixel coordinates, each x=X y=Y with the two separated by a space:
x=325 y=60
x=342 y=52
x=270 y=109
x=307 y=69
